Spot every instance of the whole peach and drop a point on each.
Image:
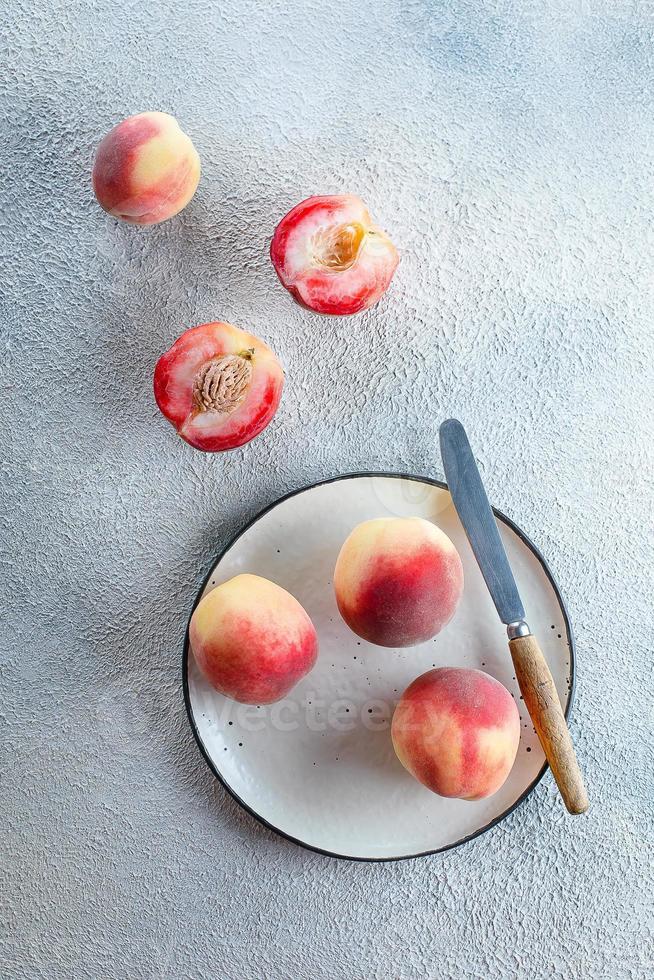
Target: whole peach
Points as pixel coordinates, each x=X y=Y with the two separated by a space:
x=252 y=640
x=398 y=580
x=457 y=731
x=146 y=169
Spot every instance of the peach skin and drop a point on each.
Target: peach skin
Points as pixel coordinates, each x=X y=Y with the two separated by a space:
x=457 y=731
x=252 y=640
x=146 y=169
x=398 y=580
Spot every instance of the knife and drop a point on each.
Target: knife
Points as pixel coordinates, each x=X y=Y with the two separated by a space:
x=533 y=674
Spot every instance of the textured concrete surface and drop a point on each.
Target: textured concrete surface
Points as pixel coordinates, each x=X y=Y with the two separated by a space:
x=509 y=149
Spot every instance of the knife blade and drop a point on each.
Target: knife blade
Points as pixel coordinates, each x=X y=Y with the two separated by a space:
x=474 y=510
x=534 y=678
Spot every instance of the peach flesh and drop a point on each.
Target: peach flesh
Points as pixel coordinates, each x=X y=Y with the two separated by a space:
x=457 y=732
x=146 y=169
x=331 y=257
x=219 y=386
x=397 y=581
x=252 y=640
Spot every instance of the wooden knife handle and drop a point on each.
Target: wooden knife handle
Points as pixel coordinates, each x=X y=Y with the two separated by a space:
x=542 y=700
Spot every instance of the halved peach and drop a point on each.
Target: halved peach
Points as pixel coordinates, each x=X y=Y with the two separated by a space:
x=219 y=386
x=331 y=257
x=146 y=169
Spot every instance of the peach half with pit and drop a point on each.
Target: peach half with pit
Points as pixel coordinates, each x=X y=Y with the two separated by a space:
x=398 y=580
x=331 y=257
x=219 y=386
x=146 y=169
x=252 y=640
x=456 y=730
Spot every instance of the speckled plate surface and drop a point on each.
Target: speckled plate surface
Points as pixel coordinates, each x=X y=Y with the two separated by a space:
x=319 y=767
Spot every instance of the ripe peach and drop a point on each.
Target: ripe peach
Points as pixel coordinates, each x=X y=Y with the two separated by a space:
x=457 y=732
x=252 y=640
x=146 y=169
x=331 y=257
x=398 y=580
x=219 y=386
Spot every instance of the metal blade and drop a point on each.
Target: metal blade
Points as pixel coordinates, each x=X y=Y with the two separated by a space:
x=471 y=502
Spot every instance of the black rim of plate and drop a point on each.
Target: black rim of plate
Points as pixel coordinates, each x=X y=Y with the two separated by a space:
x=262 y=820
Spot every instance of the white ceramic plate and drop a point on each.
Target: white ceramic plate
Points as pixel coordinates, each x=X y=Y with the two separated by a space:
x=319 y=767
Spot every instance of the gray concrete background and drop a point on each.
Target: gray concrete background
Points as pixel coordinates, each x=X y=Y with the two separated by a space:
x=508 y=147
